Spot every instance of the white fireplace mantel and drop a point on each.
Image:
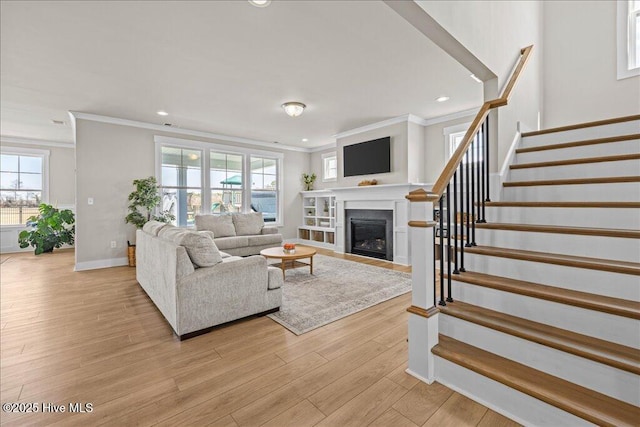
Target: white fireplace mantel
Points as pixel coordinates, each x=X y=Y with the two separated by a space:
x=378 y=197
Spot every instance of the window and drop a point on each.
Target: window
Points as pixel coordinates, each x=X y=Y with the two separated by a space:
x=226 y=182
x=329 y=167
x=453 y=136
x=239 y=180
x=628 y=28
x=264 y=187
x=23 y=184
x=181 y=183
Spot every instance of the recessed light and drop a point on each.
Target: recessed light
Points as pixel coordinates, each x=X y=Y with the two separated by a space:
x=260 y=3
x=162 y=113
x=305 y=139
x=442 y=98
x=473 y=76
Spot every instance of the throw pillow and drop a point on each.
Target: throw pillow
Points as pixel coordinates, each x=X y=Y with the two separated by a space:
x=200 y=248
x=153 y=227
x=248 y=224
x=207 y=233
x=221 y=225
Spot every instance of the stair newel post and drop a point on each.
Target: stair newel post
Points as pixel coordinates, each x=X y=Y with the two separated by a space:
x=441 y=241
x=467 y=198
x=481 y=173
x=462 y=219
x=449 y=231
x=486 y=156
x=472 y=159
x=453 y=227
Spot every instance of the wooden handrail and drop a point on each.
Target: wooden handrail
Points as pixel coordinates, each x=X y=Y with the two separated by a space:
x=452 y=165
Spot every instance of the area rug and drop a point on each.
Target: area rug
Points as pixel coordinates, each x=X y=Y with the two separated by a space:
x=336 y=289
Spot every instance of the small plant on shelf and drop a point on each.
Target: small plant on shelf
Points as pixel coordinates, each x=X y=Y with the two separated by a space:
x=308 y=180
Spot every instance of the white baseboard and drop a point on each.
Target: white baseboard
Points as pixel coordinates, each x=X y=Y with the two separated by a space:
x=101 y=263
x=418 y=376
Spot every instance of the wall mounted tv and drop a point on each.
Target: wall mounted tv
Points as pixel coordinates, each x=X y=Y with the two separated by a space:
x=366 y=158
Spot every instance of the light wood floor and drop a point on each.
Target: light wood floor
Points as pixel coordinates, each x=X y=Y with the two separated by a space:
x=96 y=337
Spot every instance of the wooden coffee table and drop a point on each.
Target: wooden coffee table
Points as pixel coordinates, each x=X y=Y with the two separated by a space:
x=290 y=260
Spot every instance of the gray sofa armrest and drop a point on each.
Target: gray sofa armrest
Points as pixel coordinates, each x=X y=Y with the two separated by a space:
x=269 y=229
x=275 y=278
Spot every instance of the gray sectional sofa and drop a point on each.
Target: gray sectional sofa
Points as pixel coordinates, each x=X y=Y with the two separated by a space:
x=240 y=234
x=195 y=286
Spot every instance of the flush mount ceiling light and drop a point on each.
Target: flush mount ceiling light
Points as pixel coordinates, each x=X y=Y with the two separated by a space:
x=260 y=3
x=294 y=109
x=162 y=113
x=442 y=98
x=305 y=139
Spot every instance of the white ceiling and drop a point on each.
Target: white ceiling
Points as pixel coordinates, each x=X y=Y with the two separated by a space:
x=221 y=67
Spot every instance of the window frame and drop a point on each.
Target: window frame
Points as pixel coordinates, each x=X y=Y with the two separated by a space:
x=325 y=158
x=207 y=148
x=31 y=152
x=626 y=40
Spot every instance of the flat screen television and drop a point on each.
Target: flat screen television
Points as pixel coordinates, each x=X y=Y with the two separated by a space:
x=366 y=158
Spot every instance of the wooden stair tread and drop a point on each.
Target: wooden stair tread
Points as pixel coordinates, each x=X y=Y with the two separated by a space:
x=580 y=401
x=614 y=266
x=579 y=161
x=582 y=125
x=611 y=305
x=626 y=205
x=573 y=181
x=580 y=143
x=608 y=353
x=585 y=231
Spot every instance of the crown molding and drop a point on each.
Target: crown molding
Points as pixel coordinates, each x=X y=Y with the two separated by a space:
x=324 y=147
x=181 y=131
x=452 y=116
x=28 y=141
x=374 y=126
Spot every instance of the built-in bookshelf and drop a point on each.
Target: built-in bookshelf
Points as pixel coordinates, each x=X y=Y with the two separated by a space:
x=318 y=218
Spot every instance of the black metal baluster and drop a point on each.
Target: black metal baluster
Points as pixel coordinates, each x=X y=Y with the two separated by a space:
x=467 y=197
x=454 y=229
x=435 y=284
x=449 y=299
x=473 y=191
x=486 y=150
x=462 y=220
x=441 y=302
x=481 y=175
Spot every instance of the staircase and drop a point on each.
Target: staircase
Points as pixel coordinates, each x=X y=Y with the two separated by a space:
x=545 y=321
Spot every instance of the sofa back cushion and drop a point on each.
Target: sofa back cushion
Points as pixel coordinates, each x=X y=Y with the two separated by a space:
x=153 y=227
x=200 y=247
x=248 y=223
x=220 y=225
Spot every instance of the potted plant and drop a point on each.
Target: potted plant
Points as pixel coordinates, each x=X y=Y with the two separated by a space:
x=51 y=229
x=308 y=180
x=142 y=203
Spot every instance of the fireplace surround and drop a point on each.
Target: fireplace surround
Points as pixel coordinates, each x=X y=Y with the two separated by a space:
x=369 y=232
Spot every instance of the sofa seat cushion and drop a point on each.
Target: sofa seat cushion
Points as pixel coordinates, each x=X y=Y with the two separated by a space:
x=248 y=224
x=231 y=242
x=267 y=239
x=221 y=225
x=200 y=248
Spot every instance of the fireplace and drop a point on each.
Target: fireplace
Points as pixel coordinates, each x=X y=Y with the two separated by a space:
x=370 y=233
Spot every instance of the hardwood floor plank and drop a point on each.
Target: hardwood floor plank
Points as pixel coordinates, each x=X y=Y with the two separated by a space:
x=457 y=411
x=493 y=419
x=304 y=414
x=392 y=418
x=227 y=421
x=367 y=406
x=400 y=376
x=422 y=401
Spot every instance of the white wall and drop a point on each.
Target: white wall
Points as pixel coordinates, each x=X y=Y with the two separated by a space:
x=109 y=157
x=580 y=65
x=495 y=31
x=435 y=156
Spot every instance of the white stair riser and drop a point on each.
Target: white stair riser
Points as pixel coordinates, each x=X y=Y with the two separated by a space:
x=620 y=218
x=614 y=248
x=616 y=285
x=610 y=192
x=587 y=170
x=518 y=406
x=626 y=128
x=619 y=384
x=618 y=329
x=595 y=150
